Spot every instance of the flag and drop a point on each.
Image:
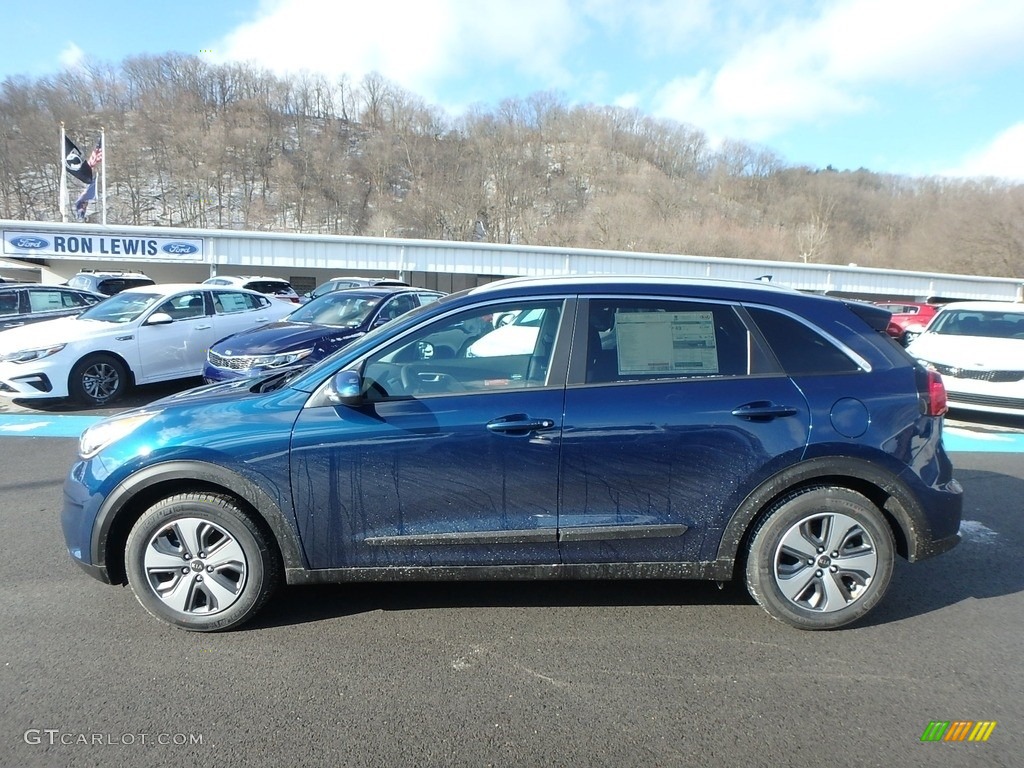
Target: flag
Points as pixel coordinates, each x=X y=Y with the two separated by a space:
x=82 y=203
x=75 y=163
x=96 y=156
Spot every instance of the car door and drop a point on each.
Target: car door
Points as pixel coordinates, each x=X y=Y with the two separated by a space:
x=450 y=461
x=672 y=414
x=176 y=349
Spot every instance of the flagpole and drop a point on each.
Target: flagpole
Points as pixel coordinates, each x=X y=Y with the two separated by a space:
x=103 y=171
x=63 y=202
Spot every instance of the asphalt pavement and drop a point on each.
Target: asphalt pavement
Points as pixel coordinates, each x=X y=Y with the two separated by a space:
x=517 y=674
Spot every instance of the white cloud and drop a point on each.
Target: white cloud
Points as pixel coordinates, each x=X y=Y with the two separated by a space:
x=812 y=69
x=71 y=56
x=414 y=43
x=662 y=25
x=1002 y=158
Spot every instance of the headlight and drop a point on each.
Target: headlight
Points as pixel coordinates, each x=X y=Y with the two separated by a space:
x=277 y=361
x=28 y=355
x=99 y=436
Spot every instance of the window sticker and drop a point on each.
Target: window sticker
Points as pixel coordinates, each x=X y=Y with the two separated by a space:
x=666 y=342
x=233 y=302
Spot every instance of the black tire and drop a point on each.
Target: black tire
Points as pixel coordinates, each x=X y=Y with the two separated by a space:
x=197 y=561
x=98 y=379
x=820 y=559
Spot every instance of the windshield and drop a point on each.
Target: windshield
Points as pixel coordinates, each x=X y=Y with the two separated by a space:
x=339 y=308
x=121 y=308
x=973 y=322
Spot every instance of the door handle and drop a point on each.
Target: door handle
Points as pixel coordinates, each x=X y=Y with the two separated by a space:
x=763 y=411
x=519 y=424
x=203 y=327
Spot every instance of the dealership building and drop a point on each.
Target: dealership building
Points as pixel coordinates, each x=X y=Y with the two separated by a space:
x=51 y=253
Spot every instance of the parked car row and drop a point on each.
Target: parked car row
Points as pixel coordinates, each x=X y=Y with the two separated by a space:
x=101 y=346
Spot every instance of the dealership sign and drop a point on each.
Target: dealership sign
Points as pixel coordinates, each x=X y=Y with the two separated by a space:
x=73 y=245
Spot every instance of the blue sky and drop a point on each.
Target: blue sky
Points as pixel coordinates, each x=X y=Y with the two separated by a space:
x=913 y=87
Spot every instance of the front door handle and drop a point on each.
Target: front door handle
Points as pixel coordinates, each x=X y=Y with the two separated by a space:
x=763 y=411
x=519 y=424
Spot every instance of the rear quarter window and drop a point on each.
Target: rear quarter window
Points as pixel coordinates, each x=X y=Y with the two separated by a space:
x=799 y=348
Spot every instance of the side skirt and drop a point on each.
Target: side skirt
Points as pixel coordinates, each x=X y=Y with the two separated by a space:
x=718 y=570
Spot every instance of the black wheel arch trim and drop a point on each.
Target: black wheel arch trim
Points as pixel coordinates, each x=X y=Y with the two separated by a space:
x=900 y=505
x=179 y=475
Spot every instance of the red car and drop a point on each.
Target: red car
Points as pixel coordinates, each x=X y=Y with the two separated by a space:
x=909 y=316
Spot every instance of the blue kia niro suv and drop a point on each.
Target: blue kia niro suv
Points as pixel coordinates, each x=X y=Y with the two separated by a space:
x=539 y=429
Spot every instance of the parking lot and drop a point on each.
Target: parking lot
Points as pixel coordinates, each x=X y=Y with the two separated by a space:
x=569 y=673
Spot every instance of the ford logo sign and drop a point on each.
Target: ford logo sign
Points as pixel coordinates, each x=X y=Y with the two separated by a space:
x=183 y=249
x=29 y=242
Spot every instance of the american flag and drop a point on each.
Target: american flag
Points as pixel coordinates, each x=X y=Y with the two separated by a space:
x=97 y=154
x=82 y=203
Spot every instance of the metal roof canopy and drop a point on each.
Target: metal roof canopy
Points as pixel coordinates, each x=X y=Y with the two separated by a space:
x=257 y=250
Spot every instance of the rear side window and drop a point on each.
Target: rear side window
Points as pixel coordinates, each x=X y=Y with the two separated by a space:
x=800 y=349
x=9 y=303
x=647 y=339
x=269 y=286
x=43 y=300
x=229 y=302
x=115 y=285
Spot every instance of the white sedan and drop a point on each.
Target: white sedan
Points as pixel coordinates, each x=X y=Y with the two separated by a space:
x=141 y=335
x=978 y=347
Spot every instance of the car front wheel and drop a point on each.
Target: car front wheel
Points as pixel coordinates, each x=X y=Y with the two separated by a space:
x=821 y=558
x=98 y=379
x=197 y=561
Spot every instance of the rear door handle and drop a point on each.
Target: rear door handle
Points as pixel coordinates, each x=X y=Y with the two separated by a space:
x=520 y=424
x=763 y=411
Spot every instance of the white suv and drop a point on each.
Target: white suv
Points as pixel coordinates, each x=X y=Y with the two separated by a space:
x=108 y=283
x=277 y=287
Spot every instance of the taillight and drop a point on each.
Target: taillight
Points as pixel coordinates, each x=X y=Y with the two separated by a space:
x=935 y=397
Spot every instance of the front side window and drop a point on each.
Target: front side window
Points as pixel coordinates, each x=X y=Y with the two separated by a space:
x=185 y=306
x=466 y=352
x=396 y=307
x=650 y=339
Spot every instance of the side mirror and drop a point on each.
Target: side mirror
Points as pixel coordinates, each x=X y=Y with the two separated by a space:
x=346 y=388
x=159 y=318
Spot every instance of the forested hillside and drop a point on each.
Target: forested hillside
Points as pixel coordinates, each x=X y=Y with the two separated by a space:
x=192 y=144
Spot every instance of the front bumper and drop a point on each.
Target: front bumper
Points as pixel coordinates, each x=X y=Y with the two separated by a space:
x=77 y=519
x=28 y=381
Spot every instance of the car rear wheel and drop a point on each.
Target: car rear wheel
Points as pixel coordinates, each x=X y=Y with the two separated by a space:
x=197 y=561
x=820 y=559
x=98 y=379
